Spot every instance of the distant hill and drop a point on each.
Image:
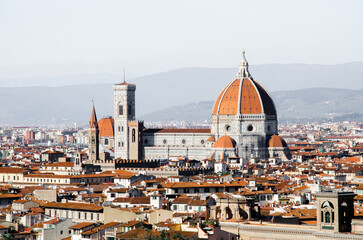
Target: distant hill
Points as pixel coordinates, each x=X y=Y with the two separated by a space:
x=305 y=105
x=158 y=92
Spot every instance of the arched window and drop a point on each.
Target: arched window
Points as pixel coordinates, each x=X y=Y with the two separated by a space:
x=93 y=140
x=106 y=141
x=327 y=204
x=120 y=109
x=327 y=212
x=133 y=135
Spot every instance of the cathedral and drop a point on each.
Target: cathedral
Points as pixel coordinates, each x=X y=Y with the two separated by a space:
x=243 y=126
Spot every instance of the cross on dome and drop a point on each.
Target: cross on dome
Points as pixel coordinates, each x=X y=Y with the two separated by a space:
x=243 y=68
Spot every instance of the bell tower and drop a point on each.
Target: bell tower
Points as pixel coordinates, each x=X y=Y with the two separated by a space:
x=93 y=140
x=124 y=111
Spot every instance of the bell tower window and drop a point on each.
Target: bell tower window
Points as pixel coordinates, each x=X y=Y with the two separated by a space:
x=129 y=110
x=133 y=135
x=120 y=110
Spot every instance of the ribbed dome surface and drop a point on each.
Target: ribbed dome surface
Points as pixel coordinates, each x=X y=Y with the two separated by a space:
x=244 y=96
x=106 y=127
x=225 y=142
x=276 y=141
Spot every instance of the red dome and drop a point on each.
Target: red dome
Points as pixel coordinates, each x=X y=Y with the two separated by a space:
x=244 y=96
x=276 y=142
x=106 y=127
x=225 y=142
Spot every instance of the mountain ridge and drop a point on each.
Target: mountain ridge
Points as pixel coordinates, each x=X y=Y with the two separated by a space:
x=72 y=103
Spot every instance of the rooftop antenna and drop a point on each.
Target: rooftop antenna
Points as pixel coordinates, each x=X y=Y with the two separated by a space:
x=124 y=76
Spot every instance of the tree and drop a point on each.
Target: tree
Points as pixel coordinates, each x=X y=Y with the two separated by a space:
x=7 y=236
x=164 y=235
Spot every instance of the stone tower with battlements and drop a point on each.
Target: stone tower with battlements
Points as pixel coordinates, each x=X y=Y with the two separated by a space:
x=135 y=140
x=124 y=111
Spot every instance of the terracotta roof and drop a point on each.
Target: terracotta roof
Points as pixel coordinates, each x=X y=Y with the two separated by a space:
x=30 y=189
x=140 y=233
x=40 y=225
x=60 y=164
x=73 y=205
x=81 y=225
x=106 y=127
x=132 y=223
x=197 y=202
x=211 y=139
x=94 y=175
x=225 y=142
x=204 y=184
x=122 y=200
x=118 y=190
x=126 y=84
x=8 y=195
x=140 y=200
x=46 y=176
x=123 y=174
x=12 y=170
x=36 y=210
x=101 y=227
x=182 y=200
x=3 y=227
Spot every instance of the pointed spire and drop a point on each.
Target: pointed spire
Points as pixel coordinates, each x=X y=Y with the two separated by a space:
x=243 y=68
x=93 y=120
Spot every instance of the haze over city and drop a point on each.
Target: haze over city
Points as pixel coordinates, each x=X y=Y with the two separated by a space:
x=57 y=38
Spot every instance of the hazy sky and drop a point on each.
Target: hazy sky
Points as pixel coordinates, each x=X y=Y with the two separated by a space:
x=54 y=38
